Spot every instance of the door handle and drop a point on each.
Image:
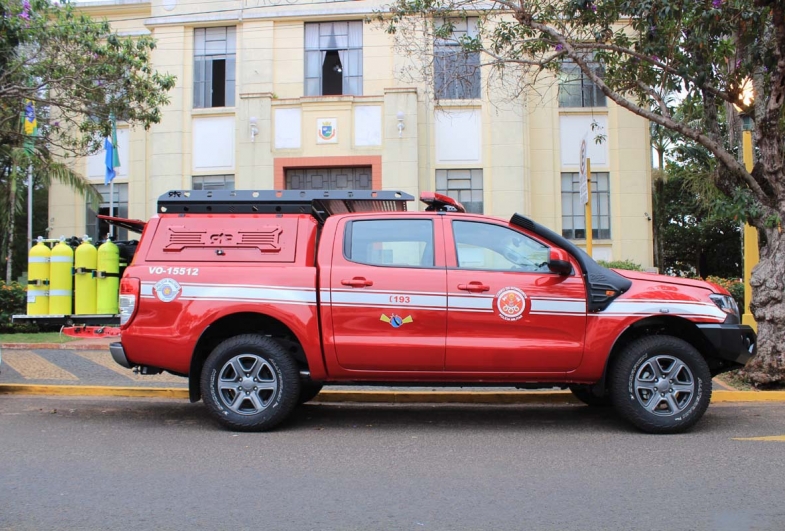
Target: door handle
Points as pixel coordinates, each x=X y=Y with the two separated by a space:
x=474 y=287
x=357 y=282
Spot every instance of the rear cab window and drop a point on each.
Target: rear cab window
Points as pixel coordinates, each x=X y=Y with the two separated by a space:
x=390 y=242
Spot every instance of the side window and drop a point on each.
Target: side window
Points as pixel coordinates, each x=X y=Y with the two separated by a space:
x=576 y=89
x=334 y=58
x=214 y=67
x=394 y=242
x=456 y=72
x=495 y=248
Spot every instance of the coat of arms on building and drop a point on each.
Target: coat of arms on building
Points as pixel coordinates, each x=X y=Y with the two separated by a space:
x=327 y=131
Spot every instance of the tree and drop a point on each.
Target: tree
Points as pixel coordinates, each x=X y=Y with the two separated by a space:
x=703 y=50
x=662 y=141
x=77 y=75
x=697 y=240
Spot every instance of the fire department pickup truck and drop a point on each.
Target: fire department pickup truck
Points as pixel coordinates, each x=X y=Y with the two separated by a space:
x=262 y=297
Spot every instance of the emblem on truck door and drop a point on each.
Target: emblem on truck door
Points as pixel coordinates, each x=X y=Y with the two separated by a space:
x=396 y=321
x=167 y=289
x=511 y=303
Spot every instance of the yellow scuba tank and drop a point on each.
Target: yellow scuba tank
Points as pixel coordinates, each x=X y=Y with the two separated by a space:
x=38 y=279
x=61 y=281
x=85 y=262
x=108 y=276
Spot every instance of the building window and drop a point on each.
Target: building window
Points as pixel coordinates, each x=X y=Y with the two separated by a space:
x=456 y=72
x=462 y=185
x=98 y=229
x=576 y=89
x=213 y=182
x=573 y=210
x=392 y=242
x=214 y=67
x=358 y=178
x=334 y=58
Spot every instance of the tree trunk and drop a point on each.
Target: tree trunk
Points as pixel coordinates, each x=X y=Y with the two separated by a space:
x=657 y=219
x=11 y=215
x=768 y=308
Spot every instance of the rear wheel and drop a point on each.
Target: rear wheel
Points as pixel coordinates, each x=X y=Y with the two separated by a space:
x=661 y=384
x=585 y=394
x=250 y=383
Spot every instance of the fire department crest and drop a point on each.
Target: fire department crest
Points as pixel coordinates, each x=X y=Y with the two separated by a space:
x=511 y=303
x=167 y=289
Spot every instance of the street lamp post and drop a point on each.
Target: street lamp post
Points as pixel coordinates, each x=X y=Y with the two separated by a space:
x=751 y=255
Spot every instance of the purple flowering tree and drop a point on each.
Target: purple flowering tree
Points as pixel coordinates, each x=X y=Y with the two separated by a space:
x=701 y=50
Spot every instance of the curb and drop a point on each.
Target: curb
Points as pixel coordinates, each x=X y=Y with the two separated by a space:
x=377 y=397
x=72 y=345
x=92 y=390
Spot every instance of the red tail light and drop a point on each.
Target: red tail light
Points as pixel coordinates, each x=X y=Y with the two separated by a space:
x=129 y=299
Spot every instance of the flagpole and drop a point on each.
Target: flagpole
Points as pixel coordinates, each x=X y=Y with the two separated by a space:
x=111 y=207
x=112 y=162
x=29 y=206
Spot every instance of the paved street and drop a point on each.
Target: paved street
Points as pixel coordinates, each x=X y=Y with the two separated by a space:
x=107 y=463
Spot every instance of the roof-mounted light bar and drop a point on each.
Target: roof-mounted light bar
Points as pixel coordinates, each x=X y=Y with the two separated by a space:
x=440 y=203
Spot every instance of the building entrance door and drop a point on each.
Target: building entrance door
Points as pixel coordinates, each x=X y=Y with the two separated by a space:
x=356 y=178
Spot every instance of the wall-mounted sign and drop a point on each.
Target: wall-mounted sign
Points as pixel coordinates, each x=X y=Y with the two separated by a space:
x=327 y=131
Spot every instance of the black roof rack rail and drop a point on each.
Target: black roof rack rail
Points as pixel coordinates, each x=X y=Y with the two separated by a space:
x=319 y=203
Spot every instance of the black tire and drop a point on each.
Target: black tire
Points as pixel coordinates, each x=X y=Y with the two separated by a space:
x=584 y=394
x=308 y=391
x=665 y=366
x=264 y=391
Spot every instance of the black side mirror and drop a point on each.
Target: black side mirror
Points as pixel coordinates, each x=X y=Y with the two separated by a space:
x=558 y=262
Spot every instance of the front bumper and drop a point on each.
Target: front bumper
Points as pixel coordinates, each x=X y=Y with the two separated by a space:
x=118 y=354
x=732 y=342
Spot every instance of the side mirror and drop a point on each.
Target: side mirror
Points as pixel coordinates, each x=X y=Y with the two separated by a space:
x=559 y=262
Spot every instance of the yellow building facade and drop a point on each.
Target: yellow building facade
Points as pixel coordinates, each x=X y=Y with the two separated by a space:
x=302 y=94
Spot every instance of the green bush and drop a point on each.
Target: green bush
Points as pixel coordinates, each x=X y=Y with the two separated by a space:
x=13 y=301
x=621 y=264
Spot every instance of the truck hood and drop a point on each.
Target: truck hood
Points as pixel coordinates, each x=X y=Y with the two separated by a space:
x=638 y=276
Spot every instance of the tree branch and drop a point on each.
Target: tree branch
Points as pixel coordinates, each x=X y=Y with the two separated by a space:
x=722 y=155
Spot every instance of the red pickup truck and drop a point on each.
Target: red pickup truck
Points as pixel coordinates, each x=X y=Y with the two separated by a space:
x=262 y=297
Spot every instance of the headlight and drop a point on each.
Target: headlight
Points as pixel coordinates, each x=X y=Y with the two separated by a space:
x=726 y=303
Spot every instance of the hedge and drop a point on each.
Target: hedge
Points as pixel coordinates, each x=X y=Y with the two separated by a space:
x=13 y=301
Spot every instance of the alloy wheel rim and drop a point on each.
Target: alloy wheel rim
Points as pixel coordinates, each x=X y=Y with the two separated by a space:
x=247 y=384
x=664 y=385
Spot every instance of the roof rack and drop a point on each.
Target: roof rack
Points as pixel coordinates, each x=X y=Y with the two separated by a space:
x=319 y=203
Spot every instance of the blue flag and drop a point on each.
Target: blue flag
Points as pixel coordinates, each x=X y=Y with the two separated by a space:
x=112 y=159
x=109 y=161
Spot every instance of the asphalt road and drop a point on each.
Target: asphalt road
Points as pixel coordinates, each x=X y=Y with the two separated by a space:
x=103 y=463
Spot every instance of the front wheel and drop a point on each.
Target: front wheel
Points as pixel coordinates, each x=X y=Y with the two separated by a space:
x=661 y=384
x=250 y=383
